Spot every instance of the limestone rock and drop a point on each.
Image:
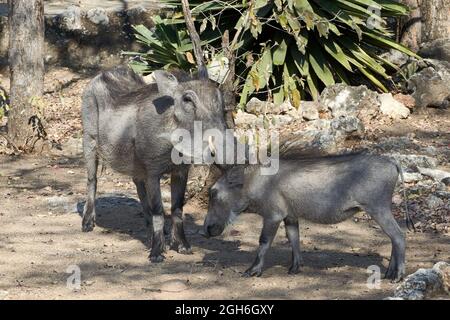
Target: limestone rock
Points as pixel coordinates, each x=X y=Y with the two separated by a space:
x=310 y=110
x=393 y=108
x=245 y=119
x=256 y=106
x=413 y=161
x=434 y=202
x=344 y=100
x=436 y=174
x=425 y=283
x=431 y=86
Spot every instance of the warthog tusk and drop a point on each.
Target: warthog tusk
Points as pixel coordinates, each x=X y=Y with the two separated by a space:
x=211 y=145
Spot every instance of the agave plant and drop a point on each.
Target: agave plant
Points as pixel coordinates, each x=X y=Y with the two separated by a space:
x=285 y=49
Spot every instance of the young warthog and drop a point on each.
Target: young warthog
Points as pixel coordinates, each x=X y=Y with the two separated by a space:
x=128 y=125
x=324 y=190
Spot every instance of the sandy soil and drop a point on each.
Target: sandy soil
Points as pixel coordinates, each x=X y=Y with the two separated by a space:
x=42 y=196
x=40 y=238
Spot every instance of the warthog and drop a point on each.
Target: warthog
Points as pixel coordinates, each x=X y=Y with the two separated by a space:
x=324 y=190
x=128 y=125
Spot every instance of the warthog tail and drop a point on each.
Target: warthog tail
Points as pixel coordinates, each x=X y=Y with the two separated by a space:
x=408 y=219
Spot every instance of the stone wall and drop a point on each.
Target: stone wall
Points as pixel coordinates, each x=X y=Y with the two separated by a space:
x=85 y=39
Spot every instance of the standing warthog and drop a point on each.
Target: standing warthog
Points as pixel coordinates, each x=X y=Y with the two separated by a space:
x=128 y=125
x=324 y=190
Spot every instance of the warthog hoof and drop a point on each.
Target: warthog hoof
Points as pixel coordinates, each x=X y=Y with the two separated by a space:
x=294 y=269
x=157 y=258
x=184 y=249
x=394 y=275
x=87 y=225
x=180 y=247
x=394 y=272
x=252 y=272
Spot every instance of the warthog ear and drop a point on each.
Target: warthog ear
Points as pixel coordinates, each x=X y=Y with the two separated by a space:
x=190 y=100
x=166 y=82
x=186 y=103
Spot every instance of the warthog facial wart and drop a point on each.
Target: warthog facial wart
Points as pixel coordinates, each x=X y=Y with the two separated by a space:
x=211 y=146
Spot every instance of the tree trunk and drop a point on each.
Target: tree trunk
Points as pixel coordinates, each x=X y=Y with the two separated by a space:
x=411 y=26
x=26 y=61
x=436 y=19
x=428 y=20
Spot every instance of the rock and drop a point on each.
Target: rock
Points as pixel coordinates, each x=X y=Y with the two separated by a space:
x=393 y=108
x=396 y=143
x=434 y=202
x=245 y=119
x=430 y=150
x=87 y=38
x=256 y=106
x=286 y=107
x=438 y=49
x=396 y=57
x=281 y=120
x=431 y=86
x=346 y=126
x=70 y=20
x=319 y=124
x=344 y=100
x=310 y=110
x=444 y=270
x=414 y=161
x=98 y=16
x=407 y=100
x=412 y=177
x=425 y=283
x=437 y=175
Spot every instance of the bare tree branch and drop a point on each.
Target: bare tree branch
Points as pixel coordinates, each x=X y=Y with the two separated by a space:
x=202 y=70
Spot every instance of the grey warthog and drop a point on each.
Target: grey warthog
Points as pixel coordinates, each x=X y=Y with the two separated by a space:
x=324 y=190
x=128 y=125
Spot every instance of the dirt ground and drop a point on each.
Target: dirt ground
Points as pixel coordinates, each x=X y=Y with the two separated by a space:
x=40 y=238
x=42 y=197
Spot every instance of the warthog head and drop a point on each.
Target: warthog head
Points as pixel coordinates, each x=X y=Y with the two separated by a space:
x=226 y=202
x=199 y=118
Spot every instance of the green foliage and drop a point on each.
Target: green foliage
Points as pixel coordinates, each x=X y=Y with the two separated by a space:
x=286 y=49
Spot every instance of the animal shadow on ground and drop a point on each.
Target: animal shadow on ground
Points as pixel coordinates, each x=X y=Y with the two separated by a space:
x=121 y=214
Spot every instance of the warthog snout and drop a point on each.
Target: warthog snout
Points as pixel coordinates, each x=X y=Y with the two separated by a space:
x=212 y=230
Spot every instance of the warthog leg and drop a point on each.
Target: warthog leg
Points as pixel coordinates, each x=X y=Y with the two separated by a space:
x=91 y=158
x=142 y=194
x=178 y=183
x=269 y=230
x=291 y=225
x=154 y=201
x=384 y=217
